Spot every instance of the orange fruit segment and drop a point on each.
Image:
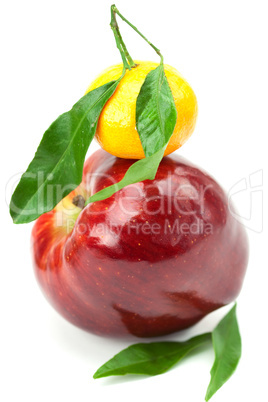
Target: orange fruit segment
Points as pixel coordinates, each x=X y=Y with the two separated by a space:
x=116 y=131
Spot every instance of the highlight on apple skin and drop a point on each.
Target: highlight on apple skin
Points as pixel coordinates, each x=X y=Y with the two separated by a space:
x=154 y=258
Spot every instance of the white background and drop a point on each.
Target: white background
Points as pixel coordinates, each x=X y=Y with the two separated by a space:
x=50 y=52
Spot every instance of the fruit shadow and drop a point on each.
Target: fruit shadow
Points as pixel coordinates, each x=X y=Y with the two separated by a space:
x=94 y=350
x=82 y=344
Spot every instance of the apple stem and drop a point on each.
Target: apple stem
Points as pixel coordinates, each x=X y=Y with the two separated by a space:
x=126 y=58
x=79 y=201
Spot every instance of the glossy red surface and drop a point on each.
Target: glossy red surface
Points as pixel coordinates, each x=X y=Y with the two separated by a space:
x=154 y=258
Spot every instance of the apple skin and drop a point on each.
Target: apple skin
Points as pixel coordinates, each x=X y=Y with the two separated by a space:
x=125 y=267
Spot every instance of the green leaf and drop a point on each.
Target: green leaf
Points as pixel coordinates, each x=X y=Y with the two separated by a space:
x=150 y=358
x=57 y=166
x=156 y=112
x=143 y=169
x=156 y=116
x=227 y=346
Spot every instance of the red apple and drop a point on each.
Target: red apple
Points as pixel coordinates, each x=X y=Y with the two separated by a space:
x=154 y=258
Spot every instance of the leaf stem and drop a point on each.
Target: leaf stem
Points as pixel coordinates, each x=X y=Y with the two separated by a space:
x=126 y=58
x=114 y=11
